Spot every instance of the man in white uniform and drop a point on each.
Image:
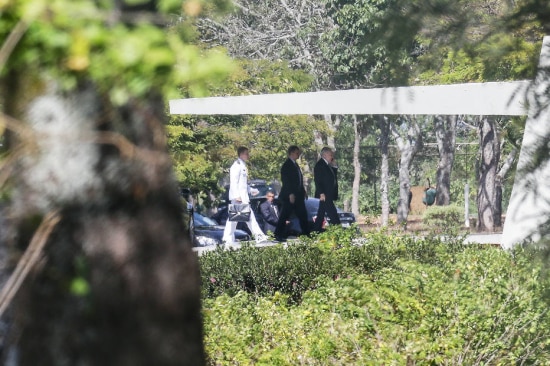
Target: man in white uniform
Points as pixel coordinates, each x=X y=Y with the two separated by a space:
x=238 y=193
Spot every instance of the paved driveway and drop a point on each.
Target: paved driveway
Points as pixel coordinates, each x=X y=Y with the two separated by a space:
x=484 y=238
x=494 y=239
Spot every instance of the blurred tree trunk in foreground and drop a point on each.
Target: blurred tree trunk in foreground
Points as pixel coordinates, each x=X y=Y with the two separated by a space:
x=117 y=282
x=105 y=273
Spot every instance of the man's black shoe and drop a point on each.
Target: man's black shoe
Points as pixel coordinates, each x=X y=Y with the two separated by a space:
x=280 y=239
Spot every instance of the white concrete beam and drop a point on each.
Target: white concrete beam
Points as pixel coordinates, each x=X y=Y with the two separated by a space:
x=496 y=98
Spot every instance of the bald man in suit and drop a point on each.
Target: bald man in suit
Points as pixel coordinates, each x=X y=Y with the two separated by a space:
x=325 y=174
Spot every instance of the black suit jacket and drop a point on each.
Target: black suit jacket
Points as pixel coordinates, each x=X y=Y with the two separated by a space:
x=326 y=180
x=292 y=183
x=269 y=216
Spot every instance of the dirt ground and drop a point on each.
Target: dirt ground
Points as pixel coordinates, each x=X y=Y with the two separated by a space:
x=414 y=224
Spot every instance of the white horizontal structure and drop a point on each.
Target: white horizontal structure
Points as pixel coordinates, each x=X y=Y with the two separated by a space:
x=498 y=98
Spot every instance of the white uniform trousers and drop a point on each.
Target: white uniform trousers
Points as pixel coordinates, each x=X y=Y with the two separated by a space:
x=231 y=226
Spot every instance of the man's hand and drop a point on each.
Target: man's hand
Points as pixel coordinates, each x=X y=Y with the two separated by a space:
x=292 y=198
x=254 y=191
x=322 y=197
x=238 y=199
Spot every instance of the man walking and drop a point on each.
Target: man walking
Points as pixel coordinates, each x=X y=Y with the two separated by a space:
x=325 y=174
x=238 y=193
x=292 y=194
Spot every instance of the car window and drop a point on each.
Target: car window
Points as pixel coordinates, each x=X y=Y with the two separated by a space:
x=312 y=205
x=201 y=220
x=262 y=187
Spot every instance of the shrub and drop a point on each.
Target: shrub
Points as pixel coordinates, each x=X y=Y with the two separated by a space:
x=444 y=219
x=472 y=306
x=291 y=270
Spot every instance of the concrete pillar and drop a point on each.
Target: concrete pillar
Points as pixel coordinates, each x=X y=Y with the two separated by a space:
x=529 y=206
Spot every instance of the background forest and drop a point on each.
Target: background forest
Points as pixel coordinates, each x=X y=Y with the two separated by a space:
x=279 y=46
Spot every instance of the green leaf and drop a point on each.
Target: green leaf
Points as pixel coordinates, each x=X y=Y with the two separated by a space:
x=79 y=287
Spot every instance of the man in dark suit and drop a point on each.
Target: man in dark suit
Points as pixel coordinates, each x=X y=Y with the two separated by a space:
x=269 y=212
x=292 y=194
x=325 y=174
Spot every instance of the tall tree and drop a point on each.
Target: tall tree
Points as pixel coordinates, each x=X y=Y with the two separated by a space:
x=489 y=158
x=384 y=126
x=356 y=165
x=357 y=57
x=445 y=132
x=273 y=30
x=408 y=137
x=278 y=30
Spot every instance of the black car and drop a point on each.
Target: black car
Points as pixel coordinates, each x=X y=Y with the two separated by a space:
x=259 y=184
x=312 y=205
x=255 y=200
x=207 y=232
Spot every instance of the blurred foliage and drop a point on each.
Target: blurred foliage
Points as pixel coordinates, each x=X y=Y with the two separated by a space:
x=125 y=52
x=464 y=41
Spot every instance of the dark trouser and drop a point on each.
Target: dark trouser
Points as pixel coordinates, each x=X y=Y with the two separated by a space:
x=328 y=207
x=299 y=208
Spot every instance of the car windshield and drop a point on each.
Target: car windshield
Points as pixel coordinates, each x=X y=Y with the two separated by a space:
x=201 y=220
x=261 y=186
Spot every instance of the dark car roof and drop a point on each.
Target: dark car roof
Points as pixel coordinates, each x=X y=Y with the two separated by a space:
x=260 y=184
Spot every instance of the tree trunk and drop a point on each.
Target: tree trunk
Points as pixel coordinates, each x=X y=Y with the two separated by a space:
x=445 y=132
x=117 y=282
x=489 y=158
x=332 y=126
x=356 y=167
x=409 y=144
x=498 y=185
x=384 y=126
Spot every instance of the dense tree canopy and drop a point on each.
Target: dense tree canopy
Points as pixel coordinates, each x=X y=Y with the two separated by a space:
x=204 y=146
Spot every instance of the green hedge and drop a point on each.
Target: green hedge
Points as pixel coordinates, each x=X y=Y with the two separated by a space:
x=393 y=300
x=294 y=269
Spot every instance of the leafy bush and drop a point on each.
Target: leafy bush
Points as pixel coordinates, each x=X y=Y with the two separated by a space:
x=453 y=304
x=444 y=219
x=294 y=269
x=263 y=271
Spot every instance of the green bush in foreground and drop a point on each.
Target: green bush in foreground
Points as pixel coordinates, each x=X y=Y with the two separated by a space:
x=294 y=269
x=434 y=304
